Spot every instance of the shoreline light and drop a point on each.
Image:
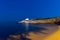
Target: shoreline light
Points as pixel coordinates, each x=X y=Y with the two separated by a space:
x=27 y=19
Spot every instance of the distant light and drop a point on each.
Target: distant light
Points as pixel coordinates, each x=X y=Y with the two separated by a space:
x=27 y=19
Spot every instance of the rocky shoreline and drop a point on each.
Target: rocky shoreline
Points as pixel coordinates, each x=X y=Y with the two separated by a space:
x=54 y=20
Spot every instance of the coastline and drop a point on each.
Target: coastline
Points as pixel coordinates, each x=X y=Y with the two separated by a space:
x=52 y=32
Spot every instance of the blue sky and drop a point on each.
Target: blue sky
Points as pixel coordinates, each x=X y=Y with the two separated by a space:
x=14 y=10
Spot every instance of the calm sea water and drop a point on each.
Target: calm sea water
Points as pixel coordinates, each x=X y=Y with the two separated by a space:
x=11 y=28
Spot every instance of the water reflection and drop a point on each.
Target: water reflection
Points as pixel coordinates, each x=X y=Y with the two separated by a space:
x=27 y=27
x=23 y=31
x=41 y=29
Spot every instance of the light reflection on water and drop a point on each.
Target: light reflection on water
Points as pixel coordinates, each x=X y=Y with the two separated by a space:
x=41 y=29
x=38 y=28
x=27 y=27
x=6 y=30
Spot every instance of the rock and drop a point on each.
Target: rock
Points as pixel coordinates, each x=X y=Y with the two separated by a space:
x=14 y=37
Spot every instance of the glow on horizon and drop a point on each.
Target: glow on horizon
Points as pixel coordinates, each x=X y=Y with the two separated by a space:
x=27 y=19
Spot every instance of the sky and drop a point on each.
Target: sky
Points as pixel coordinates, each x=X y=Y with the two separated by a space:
x=14 y=10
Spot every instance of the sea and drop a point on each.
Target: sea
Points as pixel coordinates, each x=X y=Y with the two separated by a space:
x=9 y=28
